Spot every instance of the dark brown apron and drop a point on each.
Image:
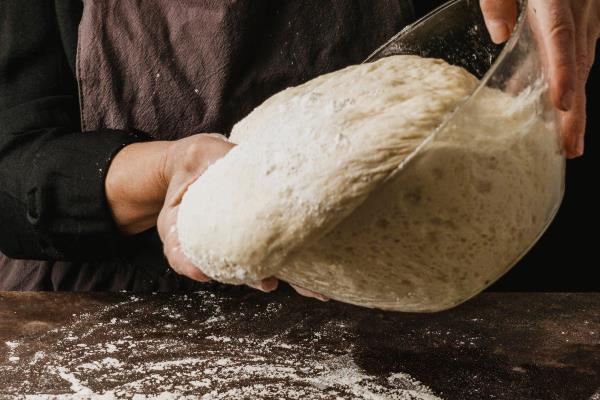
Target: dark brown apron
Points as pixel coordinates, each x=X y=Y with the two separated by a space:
x=176 y=68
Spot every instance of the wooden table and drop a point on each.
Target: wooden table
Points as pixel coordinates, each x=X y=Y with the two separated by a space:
x=237 y=343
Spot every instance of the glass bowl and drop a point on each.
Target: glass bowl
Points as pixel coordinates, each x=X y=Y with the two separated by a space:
x=486 y=208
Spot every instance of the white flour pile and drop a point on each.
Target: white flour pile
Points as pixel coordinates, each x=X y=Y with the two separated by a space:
x=307 y=194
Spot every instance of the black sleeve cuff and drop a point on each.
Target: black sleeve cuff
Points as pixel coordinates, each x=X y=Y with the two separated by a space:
x=65 y=198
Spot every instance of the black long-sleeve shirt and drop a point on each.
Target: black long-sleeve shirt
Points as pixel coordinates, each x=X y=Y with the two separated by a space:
x=52 y=201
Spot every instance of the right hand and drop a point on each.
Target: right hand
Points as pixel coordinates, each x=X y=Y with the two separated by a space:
x=567 y=31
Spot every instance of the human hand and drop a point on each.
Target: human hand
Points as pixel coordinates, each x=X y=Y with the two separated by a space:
x=309 y=293
x=144 y=187
x=567 y=31
x=185 y=161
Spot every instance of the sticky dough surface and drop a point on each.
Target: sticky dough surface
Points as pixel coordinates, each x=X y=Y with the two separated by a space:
x=307 y=194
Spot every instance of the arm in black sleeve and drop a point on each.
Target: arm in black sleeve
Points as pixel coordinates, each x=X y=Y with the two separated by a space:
x=52 y=200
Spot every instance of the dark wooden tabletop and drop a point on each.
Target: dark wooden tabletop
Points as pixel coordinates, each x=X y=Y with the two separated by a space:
x=237 y=343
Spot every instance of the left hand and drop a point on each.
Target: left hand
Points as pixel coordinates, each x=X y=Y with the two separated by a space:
x=568 y=32
x=185 y=160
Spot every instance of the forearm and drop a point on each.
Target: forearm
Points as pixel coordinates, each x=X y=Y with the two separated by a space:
x=136 y=187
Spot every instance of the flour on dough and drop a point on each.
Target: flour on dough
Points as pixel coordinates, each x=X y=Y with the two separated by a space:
x=309 y=156
x=307 y=194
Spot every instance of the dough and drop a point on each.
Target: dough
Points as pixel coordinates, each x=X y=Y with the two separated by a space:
x=308 y=157
x=325 y=188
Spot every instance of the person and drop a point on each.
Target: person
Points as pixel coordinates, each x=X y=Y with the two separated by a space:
x=103 y=109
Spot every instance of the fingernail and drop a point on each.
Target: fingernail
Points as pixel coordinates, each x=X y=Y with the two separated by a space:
x=566 y=102
x=498 y=31
x=574 y=147
x=268 y=286
x=265 y=288
x=259 y=287
x=580 y=146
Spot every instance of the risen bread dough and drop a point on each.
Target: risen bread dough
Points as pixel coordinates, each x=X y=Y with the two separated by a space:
x=307 y=194
x=307 y=157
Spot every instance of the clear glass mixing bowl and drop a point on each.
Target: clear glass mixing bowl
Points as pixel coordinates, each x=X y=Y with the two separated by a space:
x=485 y=210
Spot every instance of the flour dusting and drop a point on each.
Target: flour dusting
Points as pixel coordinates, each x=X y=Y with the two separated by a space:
x=187 y=349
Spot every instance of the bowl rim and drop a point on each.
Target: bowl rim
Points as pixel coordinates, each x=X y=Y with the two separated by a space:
x=507 y=48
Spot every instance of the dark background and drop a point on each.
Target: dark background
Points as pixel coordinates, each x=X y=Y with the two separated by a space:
x=565 y=258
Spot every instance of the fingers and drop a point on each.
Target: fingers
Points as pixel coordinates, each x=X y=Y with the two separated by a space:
x=266 y=285
x=165 y=224
x=574 y=120
x=309 y=293
x=189 y=158
x=573 y=127
x=556 y=23
x=210 y=147
x=500 y=18
x=193 y=273
x=172 y=249
x=180 y=264
x=592 y=50
x=217 y=136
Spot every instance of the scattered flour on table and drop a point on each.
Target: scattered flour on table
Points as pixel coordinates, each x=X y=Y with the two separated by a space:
x=12 y=345
x=165 y=353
